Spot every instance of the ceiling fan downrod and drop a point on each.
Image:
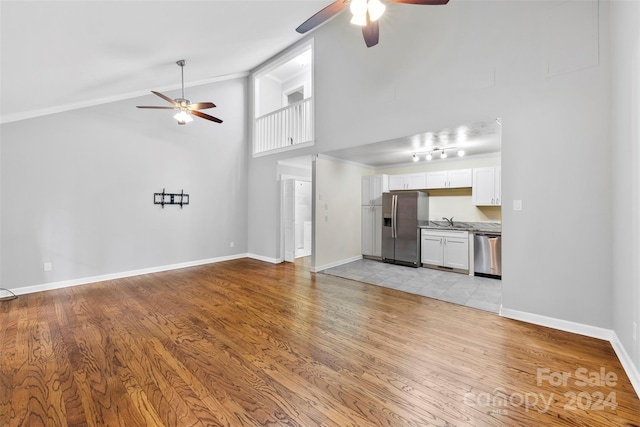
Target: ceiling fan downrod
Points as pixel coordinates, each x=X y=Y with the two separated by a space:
x=182 y=63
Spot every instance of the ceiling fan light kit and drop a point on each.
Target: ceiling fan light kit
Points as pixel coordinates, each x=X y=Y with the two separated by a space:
x=366 y=14
x=360 y=8
x=185 y=108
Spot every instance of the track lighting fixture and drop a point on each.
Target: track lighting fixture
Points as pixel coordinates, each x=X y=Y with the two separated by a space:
x=438 y=150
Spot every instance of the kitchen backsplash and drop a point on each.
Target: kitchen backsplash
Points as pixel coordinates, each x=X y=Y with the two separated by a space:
x=457 y=203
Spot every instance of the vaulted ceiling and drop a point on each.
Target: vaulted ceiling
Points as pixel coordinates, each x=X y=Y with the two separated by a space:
x=58 y=55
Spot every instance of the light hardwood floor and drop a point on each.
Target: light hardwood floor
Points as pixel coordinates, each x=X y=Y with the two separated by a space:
x=245 y=343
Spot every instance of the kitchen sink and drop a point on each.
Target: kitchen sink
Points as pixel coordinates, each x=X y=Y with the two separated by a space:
x=445 y=224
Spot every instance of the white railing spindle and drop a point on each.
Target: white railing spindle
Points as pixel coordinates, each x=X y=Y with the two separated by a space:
x=287 y=126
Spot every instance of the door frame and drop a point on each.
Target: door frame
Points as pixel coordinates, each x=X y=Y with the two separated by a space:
x=283 y=179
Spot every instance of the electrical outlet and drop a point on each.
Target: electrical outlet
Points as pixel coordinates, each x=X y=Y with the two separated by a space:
x=48 y=266
x=231 y=244
x=635 y=331
x=517 y=205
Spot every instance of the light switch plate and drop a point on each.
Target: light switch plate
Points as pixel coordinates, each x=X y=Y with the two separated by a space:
x=517 y=205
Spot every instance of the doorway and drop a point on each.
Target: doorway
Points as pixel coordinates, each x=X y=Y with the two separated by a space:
x=296 y=214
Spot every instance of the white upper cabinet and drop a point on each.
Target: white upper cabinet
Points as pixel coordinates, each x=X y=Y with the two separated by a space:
x=459 y=178
x=487 y=188
x=408 y=181
x=372 y=188
x=437 y=179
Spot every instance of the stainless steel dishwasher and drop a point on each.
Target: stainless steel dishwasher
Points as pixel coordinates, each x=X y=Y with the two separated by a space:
x=487 y=254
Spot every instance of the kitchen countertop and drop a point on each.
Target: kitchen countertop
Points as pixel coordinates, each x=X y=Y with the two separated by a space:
x=493 y=227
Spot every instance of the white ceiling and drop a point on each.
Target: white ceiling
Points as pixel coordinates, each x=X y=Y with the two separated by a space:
x=59 y=55
x=476 y=139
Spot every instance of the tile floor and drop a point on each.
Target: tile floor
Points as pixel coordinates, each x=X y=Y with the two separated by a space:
x=478 y=292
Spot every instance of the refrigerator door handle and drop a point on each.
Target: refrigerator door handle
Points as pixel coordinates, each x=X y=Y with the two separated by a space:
x=393 y=217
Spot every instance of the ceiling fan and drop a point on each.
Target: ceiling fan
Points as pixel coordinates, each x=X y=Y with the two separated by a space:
x=185 y=107
x=365 y=13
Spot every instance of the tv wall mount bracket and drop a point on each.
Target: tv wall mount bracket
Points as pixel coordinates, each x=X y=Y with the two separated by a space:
x=165 y=198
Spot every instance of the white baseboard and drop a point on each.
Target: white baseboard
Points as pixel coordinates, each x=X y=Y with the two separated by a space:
x=335 y=264
x=563 y=325
x=627 y=363
x=265 y=259
x=93 y=279
x=578 y=328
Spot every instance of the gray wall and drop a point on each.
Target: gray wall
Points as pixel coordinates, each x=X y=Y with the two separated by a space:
x=77 y=188
x=468 y=61
x=626 y=176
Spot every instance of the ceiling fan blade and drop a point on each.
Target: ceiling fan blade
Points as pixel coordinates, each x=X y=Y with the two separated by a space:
x=156 y=107
x=423 y=2
x=201 y=106
x=165 y=97
x=205 y=116
x=371 y=32
x=322 y=16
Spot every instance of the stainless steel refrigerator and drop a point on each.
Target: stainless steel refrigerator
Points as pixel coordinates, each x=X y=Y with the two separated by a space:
x=402 y=214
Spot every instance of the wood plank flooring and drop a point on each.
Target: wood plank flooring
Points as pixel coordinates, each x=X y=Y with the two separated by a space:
x=245 y=343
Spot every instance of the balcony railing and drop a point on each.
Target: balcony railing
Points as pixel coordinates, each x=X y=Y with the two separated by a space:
x=288 y=126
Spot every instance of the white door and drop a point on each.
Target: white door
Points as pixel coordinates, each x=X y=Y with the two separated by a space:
x=365 y=231
x=376 y=231
x=460 y=178
x=417 y=181
x=456 y=253
x=431 y=250
x=483 y=186
x=397 y=182
x=289 y=219
x=436 y=180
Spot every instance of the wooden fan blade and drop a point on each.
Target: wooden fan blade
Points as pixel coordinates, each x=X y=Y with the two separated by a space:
x=205 y=116
x=159 y=108
x=166 y=98
x=371 y=32
x=423 y=2
x=201 y=106
x=322 y=16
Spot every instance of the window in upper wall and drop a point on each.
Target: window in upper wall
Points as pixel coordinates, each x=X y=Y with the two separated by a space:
x=283 y=102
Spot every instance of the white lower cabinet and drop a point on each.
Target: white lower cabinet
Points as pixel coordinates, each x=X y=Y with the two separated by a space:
x=445 y=248
x=371 y=233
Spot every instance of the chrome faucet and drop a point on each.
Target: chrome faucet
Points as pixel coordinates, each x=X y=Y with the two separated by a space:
x=449 y=220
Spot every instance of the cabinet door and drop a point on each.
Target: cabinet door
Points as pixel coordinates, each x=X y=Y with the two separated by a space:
x=483 y=193
x=436 y=180
x=376 y=231
x=365 y=191
x=456 y=253
x=417 y=181
x=371 y=231
x=379 y=185
x=431 y=249
x=460 y=178
x=365 y=232
x=397 y=182
x=498 y=186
